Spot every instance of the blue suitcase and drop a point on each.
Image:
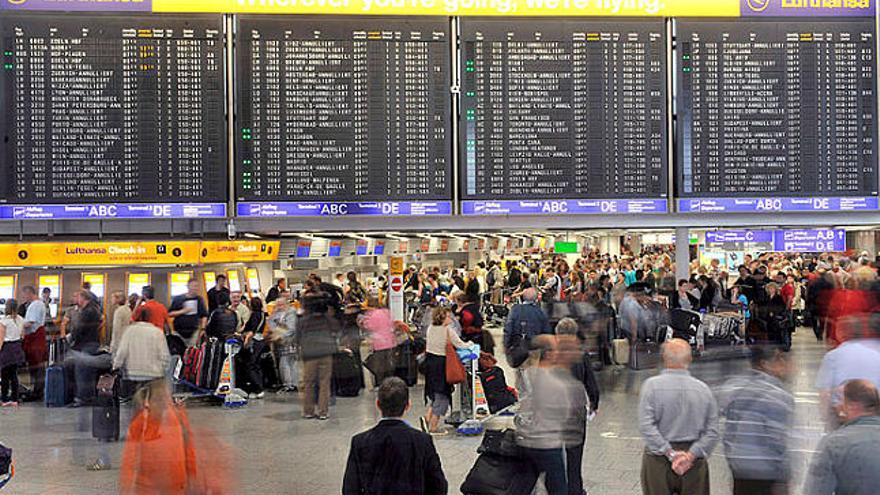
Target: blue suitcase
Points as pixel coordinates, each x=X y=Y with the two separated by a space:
x=56 y=388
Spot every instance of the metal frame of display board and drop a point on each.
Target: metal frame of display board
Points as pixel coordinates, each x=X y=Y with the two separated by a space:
x=439 y=224
x=269 y=226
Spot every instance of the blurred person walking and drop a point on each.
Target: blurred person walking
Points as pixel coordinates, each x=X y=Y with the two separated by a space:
x=678 y=420
x=857 y=358
x=552 y=418
x=392 y=458
x=164 y=455
x=316 y=333
x=582 y=370
x=848 y=460
x=759 y=412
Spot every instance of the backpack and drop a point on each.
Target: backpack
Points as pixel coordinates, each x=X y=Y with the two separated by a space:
x=491 y=278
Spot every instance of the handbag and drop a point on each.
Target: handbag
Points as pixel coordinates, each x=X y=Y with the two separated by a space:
x=373 y=364
x=455 y=372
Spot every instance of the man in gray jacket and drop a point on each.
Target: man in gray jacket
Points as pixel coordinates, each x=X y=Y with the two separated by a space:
x=678 y=420
x=848 y=461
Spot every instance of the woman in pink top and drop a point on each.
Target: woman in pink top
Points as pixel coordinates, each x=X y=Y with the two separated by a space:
x=380 y=326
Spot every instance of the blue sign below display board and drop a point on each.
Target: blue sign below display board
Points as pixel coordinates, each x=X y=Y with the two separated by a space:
x=113 y=210
x=301 y=209
x=732 y=205
x=789 y=241
x=564 y=207
x=724 y=236
x=801 y=241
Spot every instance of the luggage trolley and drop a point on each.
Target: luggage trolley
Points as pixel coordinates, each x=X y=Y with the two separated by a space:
x=226 y=390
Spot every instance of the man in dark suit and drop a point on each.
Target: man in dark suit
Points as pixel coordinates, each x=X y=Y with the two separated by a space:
x=393 y=458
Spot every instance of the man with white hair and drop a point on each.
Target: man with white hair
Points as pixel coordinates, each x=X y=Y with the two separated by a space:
x=678 y=420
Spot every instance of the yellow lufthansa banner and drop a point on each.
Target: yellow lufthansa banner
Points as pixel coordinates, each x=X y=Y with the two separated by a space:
x=238 y=251
x=106 y=253
x=601 y=8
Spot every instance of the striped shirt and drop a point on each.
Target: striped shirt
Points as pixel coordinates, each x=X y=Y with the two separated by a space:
x=759 y=415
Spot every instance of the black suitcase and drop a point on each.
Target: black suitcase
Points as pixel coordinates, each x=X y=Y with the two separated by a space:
x=347 y=373
x=500 y=475
x=218 y=356
x=644 y=355
x=495 y=387
x=105 y=414
x=406 y=366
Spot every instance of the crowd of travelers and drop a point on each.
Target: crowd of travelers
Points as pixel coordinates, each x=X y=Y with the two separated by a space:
x=303 y=341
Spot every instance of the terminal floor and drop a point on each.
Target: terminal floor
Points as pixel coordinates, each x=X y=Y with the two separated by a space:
x=278 y=452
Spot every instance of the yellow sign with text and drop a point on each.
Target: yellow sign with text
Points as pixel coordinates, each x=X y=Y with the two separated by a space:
x=136 y=253
x=601 y=8
x=238 y=251
x=7 y=287
x=106 y=253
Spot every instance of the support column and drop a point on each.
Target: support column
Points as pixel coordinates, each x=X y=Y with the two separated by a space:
x=609 y=245
x=682 y=253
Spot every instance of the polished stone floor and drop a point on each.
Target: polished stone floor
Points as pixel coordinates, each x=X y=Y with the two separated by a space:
x=278 y=452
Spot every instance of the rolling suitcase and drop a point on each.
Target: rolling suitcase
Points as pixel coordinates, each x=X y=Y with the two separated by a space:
x=105 y=414
x=56 y=388
x=347 y=373
x=407 y=368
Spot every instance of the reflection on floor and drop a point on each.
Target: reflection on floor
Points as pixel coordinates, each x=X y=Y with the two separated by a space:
x=278 y=452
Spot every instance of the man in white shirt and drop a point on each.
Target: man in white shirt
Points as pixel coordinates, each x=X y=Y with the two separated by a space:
x=35 y=338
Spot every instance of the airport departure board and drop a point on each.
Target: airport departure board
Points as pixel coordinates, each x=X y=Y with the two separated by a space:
x=777 y=108
x=111 y=108
x=343 y=109
x=563 y=108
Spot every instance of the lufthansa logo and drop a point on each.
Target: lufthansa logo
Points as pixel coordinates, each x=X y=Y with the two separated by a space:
x=758 y=5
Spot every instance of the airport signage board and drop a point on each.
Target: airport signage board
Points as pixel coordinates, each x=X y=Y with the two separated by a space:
x=789 y=241
x=564 y=207
x=137 y=253
x=112 y=211
x=238 y=251
x=325 y=209
x=813 y=240
x=758 y=205
x=600 y=8
x=739 y=236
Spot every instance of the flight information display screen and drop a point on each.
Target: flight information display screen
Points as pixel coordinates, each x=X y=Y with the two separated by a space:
x=776 y=114
x=340 y=115
x=563 y=110
x=113 y=110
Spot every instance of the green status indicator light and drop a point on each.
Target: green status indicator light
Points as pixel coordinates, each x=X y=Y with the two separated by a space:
x=686 y=69
x=471 y=93
x=686 y=57
x=7 y=53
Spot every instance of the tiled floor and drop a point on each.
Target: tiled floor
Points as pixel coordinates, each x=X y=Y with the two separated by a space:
x=277 y=452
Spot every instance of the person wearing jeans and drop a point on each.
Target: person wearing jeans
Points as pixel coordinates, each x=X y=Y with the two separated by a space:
x=316 y=334
x=553 y=412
